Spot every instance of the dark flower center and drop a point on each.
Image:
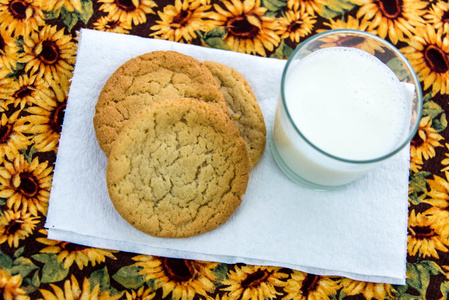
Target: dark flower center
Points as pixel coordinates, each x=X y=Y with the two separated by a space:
x=23 y=92
x=111 y=24
x=391 y=8
x=182 y=18
x=417 y=140
x=309 y=284
x=28 y=185
x=178 y=269
x=445 y=17
x=240 y=27
x=436 y=59
x=57 y=117
x=255 y=279
x=50 y=52
x=18 y=9
x=72 y=247
x=5 y=133
x=126 y=5
x=351 y=41
x=2 y=45
x=423 y=232
x=293 y=26
x=12 y=227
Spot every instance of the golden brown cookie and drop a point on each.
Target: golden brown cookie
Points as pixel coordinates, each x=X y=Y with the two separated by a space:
x=145 y=78
x=243 y=108
x=177 y=169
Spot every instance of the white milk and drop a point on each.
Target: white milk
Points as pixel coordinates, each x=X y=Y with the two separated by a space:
x=348 y=104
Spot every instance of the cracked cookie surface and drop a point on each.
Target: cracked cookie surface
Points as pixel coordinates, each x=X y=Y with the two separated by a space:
x=178 y=169
x=243 y=108
x=146 y=78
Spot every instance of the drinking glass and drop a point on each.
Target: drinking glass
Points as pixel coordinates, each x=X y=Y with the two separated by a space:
x=297 y=155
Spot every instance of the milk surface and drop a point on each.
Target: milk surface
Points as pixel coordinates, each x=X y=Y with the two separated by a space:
x=345 y=102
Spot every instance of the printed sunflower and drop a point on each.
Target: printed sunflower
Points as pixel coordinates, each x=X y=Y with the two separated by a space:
x=424 y=235
x=428 y=53
x=21 y=17
x=10 y=287
x=303 y=286
x=27 y=90
x=16 y=226
x=44 y=122
x=141 y=294
x=438 y=16
x=441 y=217
x=72 y=290
x=9 y=51
x=11 y=140
x=415 y=163
x=49 y=53
x=312 y=7
x=184 y=279
x=370 y=46
x=180 y=21
x=128 y=12
x=350 y=23
x=247 y=28
x=438 y=191
x=396 y=19
x=26 y=184
x=445 y=162
x=56 y=5
x=253 y=282
x=369 y=290
x=5 y=82
x=296 y=24
x=105 y=23
x=72 y=253
x=425 y=141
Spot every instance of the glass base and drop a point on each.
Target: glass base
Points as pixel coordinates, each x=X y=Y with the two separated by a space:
x=295 y=177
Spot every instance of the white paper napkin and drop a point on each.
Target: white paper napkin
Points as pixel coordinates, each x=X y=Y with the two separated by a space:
x=358 y=232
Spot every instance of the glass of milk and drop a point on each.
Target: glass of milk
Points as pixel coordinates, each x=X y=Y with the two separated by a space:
x=349 y=101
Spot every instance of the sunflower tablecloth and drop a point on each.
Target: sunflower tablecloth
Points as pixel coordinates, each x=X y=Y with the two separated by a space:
x=38 y=43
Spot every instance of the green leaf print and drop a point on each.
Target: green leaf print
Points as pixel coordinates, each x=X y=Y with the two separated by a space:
x=418 y=187
x=28 y=156
x=32 y=284
x=221 y=271
x=436 y=114
x=70 y=18
x=129 y=277
x=334 y=8
x=214 y=38
x=53 y=270
x=19 y=252
x=283 y=51
x=101 y=277
x=418 y=279
x=35 y=280
x=5 y=261
x=432 y=109
x=440 y=124
x=444 y=288
x=23 y=266
x=274 y=5
x=87 y=11
x=396 y=65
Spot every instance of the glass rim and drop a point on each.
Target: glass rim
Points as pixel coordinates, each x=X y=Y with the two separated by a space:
x=416 y=82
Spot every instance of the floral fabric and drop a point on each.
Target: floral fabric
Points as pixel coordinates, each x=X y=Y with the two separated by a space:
x=38 y=41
